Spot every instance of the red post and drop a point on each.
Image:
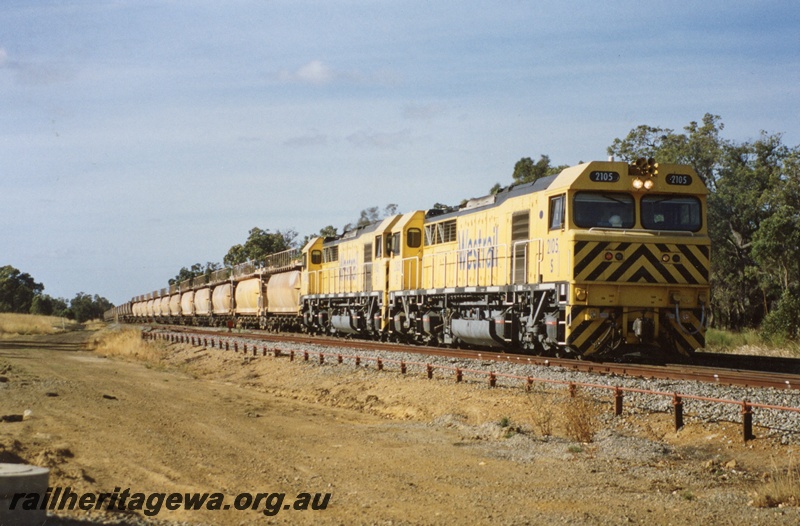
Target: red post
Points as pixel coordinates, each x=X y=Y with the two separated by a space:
x=492 y=379
x=617 y=401
x=677 y=403
x=747 y=422
x=429 y=368
x=459 y=375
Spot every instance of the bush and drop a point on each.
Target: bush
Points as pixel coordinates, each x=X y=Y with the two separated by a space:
x=783 y=322
x=580 y=419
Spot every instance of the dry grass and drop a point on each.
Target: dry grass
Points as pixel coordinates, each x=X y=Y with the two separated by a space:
x=781 y=488
x=543 y=416
x=126 y=343
x=26 y=324
x=580 y=419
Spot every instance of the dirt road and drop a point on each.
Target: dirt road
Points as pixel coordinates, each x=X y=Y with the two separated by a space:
x=387 y=450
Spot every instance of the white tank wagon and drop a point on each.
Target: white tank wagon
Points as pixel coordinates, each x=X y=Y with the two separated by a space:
x=222 y=303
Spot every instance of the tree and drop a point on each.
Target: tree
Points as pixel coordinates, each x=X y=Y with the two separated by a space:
x=198 y=269
x=526 y=171
x=371 y=215
x=84 y=307
x=753 y=211
x=48 y=306
x=701 y=147
x=260 y=243
x=17 y=290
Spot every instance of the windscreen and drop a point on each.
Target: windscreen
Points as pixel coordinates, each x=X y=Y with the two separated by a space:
x=603 y=210
x=661 y=212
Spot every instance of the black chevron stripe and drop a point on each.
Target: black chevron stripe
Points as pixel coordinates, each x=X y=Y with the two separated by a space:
x=690 y=279
x=688 y=254
x=598 y=271
x=642 y=274
x=586 y=261
x=633 y=259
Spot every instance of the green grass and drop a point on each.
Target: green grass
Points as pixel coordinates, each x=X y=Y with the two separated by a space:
x=717 y=339
x=748 y=341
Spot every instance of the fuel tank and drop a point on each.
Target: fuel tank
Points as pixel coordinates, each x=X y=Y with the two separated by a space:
x=477 y=332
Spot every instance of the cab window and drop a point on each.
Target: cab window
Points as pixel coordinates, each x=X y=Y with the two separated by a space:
x=557 y=212
x=316 y=257
x=393 y=244
x=660 y=212
x=378 y=247
x=414 y=237
x=603 y=210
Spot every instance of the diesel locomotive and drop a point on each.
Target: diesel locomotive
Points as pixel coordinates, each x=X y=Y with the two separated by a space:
x=604 y=259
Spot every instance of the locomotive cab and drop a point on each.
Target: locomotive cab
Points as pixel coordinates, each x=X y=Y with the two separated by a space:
x=638 y=259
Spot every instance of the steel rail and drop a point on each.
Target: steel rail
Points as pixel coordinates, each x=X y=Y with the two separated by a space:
x=618 y=391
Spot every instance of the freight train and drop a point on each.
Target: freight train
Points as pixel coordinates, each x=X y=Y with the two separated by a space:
x=603 y=260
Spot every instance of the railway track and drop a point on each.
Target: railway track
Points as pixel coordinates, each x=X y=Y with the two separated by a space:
x=735 y=370
x=736 y=396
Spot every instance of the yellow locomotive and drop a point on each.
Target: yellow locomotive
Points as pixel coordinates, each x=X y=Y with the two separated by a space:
x=601 y=260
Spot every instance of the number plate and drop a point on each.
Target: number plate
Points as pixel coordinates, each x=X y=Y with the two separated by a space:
x=604 y=177
x=679 y=179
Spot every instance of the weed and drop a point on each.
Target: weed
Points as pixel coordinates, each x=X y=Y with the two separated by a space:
x=782 y=488
x=580 y=419
x=543 y=418
x=687 y=495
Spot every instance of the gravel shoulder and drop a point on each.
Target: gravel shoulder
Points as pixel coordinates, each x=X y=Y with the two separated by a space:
x=389 y=449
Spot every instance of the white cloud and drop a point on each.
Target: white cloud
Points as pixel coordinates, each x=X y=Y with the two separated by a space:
x=3 y=57
x=315 y=72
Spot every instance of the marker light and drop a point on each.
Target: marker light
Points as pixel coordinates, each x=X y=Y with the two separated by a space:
x=648 y=184
x=637 y=184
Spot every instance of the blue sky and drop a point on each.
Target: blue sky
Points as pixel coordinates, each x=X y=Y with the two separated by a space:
x=138 y=137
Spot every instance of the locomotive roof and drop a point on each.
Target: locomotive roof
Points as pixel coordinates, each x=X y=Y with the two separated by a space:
x=497 y=199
